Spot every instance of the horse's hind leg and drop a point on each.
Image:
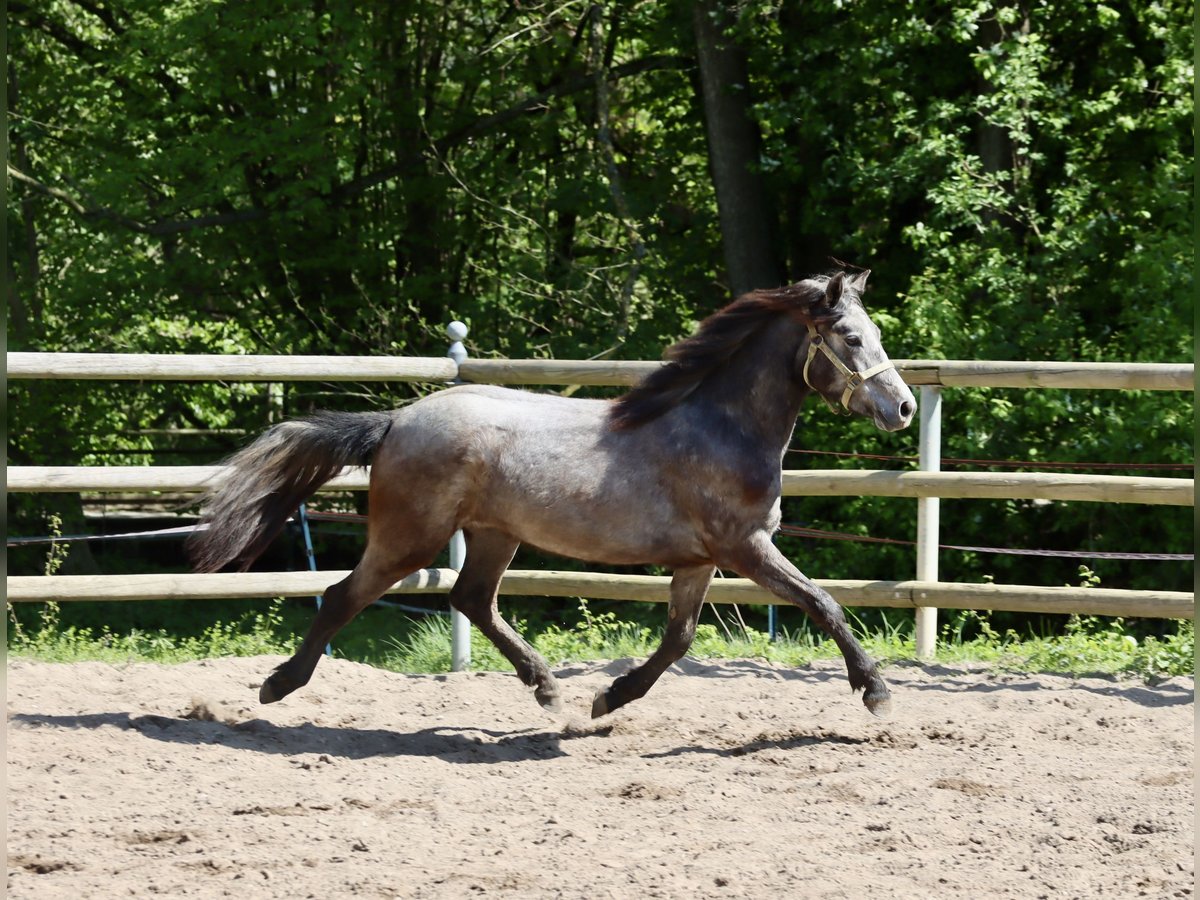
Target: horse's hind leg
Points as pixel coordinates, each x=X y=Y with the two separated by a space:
x=688 y=589
x=342 y=602
x=474 y=595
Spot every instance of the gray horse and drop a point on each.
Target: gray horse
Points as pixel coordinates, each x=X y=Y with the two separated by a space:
x=682 y=471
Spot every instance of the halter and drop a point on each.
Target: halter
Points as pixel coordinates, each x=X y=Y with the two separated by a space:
x=854 y=380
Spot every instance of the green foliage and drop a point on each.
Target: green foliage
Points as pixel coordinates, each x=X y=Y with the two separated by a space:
x=1088 y=578
x=1102 y=645
x=1086 y=645
x=59 y=550
x=426 y=648
x=595 y=636
x=1174 y=654
x=747 y=643
x=251 y=635
x=345 y=179
x=344 y=182
x=1017 y=178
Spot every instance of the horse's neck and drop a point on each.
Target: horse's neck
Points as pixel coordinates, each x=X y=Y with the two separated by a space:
x=759 y=388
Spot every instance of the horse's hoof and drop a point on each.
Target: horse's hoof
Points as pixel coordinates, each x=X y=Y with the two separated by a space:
x=272 y=690
x=550 y=699
x=600 y=705
x=878 y=700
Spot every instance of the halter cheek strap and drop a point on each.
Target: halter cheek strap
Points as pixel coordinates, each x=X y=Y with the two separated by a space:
x=854 y=380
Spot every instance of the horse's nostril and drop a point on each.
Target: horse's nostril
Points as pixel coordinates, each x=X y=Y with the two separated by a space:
x=907 y=409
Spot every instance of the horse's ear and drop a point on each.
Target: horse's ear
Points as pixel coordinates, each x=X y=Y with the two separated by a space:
x=833 y=291
x=859 y=281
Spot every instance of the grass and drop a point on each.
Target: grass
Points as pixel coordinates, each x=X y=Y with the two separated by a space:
x=1087 y=645
x=48 y=640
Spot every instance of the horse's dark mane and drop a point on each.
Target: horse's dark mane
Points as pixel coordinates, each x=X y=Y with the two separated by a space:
x=692 y=359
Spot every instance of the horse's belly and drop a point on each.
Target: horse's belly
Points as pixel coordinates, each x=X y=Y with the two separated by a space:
x=601 y=533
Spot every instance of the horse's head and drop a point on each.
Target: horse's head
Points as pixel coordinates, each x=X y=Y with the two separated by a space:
x=843 y=360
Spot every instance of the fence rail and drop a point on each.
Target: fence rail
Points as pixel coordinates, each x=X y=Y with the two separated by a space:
x=796 y=483
x=211 y=367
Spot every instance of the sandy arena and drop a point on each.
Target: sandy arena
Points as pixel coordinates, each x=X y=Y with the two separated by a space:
x=737 y=779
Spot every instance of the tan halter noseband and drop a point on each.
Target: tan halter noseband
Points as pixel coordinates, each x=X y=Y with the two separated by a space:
x=854 y=380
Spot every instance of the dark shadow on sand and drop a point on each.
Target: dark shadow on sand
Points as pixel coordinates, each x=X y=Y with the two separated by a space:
x=947 y=679
x=951 y=680
x=454 y=745
x=794 y=741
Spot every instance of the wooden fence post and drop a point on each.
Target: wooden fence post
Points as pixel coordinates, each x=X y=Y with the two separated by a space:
x=460 y=625
x=928 y=513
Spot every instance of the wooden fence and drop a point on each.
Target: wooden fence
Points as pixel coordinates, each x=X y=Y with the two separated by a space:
x=925 y=594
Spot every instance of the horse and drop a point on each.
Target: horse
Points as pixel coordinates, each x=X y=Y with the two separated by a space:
x=683 y=471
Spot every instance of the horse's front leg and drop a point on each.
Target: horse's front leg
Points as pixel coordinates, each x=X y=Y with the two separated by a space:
x=688 y=589
x=760 y=560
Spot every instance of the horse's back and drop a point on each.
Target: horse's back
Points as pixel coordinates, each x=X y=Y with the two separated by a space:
x=547 y=469
x=493 y=433
x=470 y=414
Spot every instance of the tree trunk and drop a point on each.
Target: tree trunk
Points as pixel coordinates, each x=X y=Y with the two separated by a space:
x=995 y=146
x=748 y=220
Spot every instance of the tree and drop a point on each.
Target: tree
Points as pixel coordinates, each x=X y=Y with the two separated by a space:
x=748 y=225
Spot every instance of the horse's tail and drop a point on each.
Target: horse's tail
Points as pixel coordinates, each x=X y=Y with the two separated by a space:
x=267 y=480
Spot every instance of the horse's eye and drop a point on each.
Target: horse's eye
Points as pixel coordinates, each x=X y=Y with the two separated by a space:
x=853 y=340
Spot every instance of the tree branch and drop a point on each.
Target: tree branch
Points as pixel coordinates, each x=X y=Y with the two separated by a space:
x=342 y=193
x=89 y=52
x=491 y=122
x=76 y=207
x=157 y=229
x=598 y=57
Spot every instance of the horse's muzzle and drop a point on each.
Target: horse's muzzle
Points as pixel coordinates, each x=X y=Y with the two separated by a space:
x=895 y=416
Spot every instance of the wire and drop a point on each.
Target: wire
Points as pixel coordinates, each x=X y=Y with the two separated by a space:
x=819 y=533
x=1008 y=463
x=792 y=530
x=71 y=538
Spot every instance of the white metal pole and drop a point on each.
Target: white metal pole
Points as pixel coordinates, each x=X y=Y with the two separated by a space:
x=460 y=625
x=928 y=513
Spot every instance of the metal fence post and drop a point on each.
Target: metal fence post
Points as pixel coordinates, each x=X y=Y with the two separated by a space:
x=460 y=625
x=928 y=512
x=310 y=554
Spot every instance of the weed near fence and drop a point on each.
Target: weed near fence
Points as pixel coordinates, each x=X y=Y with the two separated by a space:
x=1088 y=645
